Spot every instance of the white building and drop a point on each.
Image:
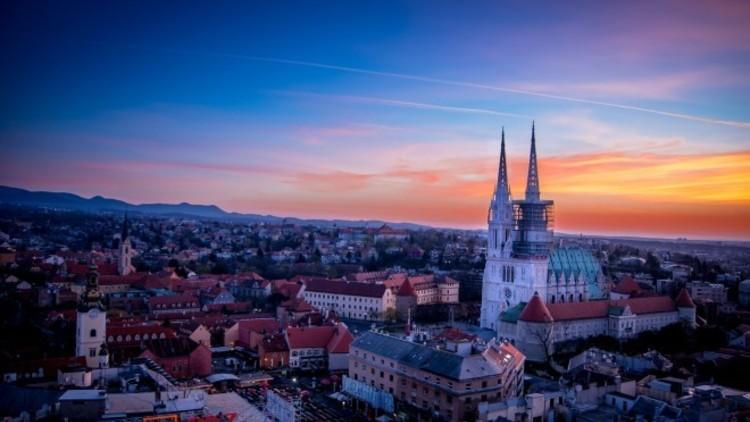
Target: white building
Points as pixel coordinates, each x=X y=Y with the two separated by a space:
x=520 y=259
x=91 y=325
x=350 y=299
x=536 y=327
x=125 y=253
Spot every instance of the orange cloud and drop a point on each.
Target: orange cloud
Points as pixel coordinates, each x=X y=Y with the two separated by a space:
x=702 y=195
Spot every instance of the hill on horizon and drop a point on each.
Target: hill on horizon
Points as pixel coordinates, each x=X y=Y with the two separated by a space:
x=99 y=204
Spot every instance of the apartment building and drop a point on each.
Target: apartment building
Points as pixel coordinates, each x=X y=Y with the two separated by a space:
x=447 y=383
x=350 y=299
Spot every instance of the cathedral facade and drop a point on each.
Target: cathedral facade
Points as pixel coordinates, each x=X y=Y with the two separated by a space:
x=521 y=259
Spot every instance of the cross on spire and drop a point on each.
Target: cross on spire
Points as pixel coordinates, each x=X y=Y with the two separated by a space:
x=532 y=182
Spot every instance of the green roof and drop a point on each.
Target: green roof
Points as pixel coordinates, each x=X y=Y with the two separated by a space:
x=576 y=262
x=512 y=314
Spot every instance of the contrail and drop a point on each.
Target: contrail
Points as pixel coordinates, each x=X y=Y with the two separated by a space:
x=691 y=117
x=402 y=103
x=733 y=123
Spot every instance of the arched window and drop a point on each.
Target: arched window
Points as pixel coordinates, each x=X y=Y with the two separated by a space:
x=92 y=333
x=571 y=297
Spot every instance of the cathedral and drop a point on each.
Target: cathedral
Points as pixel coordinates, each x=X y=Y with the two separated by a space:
x=521 y=258
x=537 y=295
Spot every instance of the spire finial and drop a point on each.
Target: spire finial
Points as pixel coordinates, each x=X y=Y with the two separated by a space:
x=503 y=188
x=532 y=182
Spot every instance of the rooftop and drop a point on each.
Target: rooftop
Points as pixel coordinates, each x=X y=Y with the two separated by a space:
x=491 y=362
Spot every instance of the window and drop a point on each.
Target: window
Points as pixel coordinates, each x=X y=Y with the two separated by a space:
x=92 y=352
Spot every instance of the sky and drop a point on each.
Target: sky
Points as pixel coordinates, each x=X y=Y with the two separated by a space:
x=387 y=110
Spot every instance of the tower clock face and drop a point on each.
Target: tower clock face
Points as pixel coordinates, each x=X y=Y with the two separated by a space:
x=93 y=313
x=508 y=293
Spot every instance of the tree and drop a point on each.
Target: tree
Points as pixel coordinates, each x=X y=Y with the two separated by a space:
x=543 y=334
x=391 y=315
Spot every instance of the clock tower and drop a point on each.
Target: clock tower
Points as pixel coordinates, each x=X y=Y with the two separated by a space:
x=91 y=324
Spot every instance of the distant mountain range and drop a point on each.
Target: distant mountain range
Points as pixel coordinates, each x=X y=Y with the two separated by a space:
x=99 y=204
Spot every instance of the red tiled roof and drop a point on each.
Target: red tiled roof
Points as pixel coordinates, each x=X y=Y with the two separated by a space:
x=172 y=347
x=274 y=343
x=122 y=279
x=231 y=307
x=341 y=340
x=335 y=339
x=535 y=311
x=454 y=334
x=345 y=288
x=422 y=279
x=600 y=308
x=406 y=289
x=140 y=330
x=287 y=288
x=627 y=286
x=297 y=305
x=684 y=300
x=187 y=300
x=259 y=325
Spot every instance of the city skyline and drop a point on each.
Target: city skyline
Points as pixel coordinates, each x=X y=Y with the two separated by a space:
x=393 y=115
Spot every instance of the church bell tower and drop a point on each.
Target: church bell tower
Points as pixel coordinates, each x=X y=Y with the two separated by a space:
x=91 y=324
x=125 y=253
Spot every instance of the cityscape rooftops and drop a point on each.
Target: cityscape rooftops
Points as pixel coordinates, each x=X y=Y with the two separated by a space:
x=455 y=366
x=345 y=288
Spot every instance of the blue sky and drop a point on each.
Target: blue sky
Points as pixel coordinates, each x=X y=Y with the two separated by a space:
x=386 y=109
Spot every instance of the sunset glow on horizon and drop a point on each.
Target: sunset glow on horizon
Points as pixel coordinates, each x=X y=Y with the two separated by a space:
x=394 y=114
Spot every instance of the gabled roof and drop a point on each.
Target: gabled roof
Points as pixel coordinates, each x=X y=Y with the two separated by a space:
x=536 y=311
x=341 y=340
x=172 y=347
x=345 y=288
x=627 y=286
x=684 y=300
x=259 y=325
x=333 y=338
x=406 y=289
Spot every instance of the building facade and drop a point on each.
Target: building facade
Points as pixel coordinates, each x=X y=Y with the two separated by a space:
x=539 y=326
x=319 y=347
x=125 y=252
x=91 y=324
x=521 y=260
x=350 y=299
x=446 y=384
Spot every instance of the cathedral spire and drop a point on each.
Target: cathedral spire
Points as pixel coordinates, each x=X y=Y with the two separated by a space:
x=502 y=189
x=532 y=183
